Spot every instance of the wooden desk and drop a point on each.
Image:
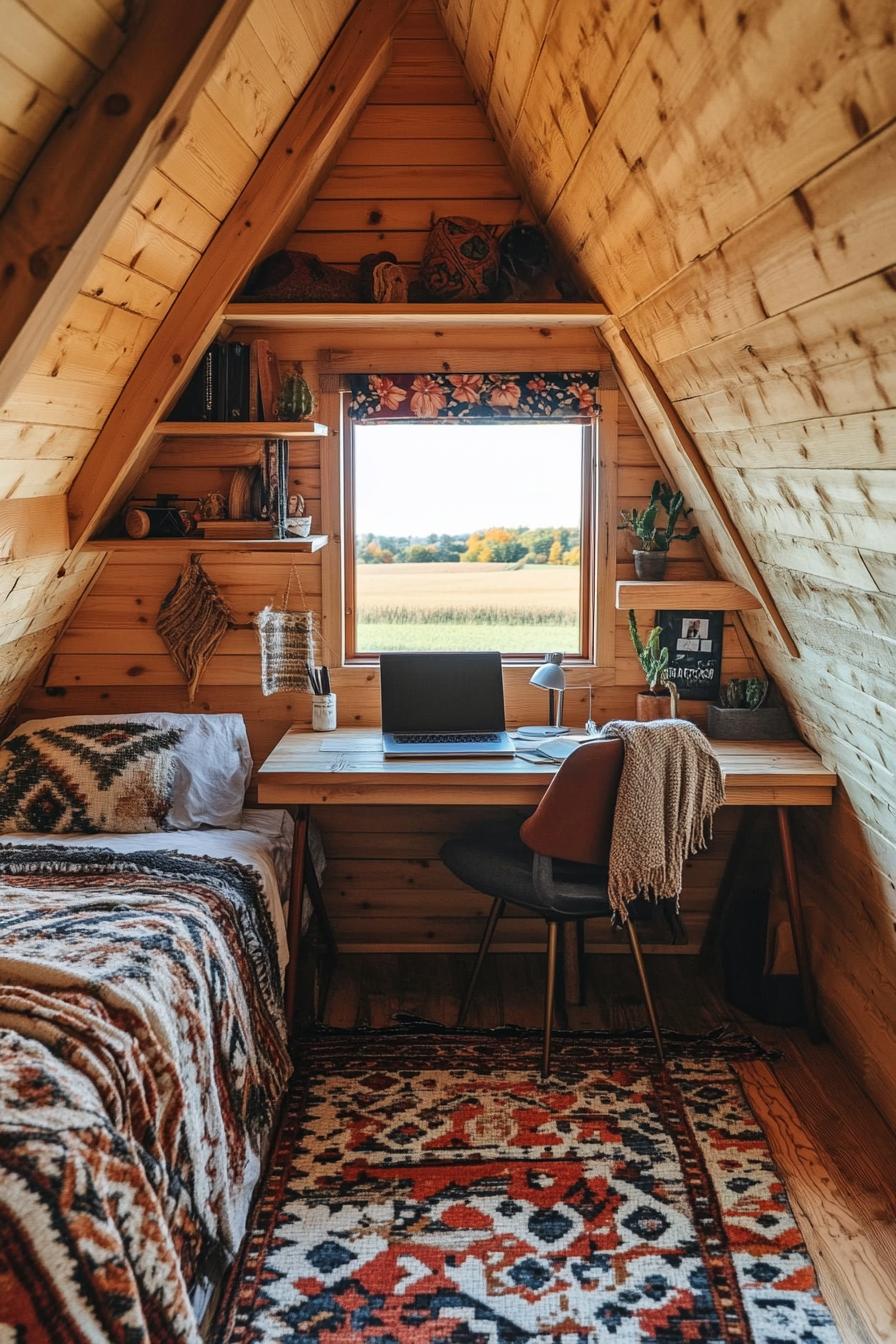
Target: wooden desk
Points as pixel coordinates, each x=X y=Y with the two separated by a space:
x=308 y=769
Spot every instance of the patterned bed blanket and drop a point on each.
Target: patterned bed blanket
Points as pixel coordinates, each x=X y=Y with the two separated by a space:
x=142 y=1058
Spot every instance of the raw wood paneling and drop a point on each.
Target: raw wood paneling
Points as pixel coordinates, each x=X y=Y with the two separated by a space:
x=420 y=149
x=731 y=199
x=83 y=177
x=50 y=56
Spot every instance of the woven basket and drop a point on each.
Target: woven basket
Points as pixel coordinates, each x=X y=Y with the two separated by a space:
x=287 y=649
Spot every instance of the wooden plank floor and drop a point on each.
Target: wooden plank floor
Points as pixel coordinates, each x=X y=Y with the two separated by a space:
x=836 y=1154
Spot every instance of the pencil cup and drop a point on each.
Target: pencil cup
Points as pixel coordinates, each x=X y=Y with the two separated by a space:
x=323 y=713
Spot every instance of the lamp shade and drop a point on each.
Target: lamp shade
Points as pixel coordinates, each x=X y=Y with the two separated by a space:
x=550 y=676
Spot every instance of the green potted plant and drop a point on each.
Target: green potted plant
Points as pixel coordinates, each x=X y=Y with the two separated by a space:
x=660 y=700
x=749 y=708
x=652 y=539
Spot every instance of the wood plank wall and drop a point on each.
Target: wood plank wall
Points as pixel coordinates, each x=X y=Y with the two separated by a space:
x=421 y=148
x=50 y=54
x=385 y=887
x=724 y=176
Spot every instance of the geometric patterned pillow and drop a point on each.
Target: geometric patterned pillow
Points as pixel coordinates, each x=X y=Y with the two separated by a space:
x=88 y=777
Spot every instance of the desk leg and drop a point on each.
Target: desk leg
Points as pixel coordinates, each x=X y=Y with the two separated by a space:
x=316 y=897
x=294 y=915
x=797 y=925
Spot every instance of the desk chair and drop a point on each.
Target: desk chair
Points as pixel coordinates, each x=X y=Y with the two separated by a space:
x=555 y=864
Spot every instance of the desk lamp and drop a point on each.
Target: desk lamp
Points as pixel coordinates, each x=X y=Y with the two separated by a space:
x=552 y=678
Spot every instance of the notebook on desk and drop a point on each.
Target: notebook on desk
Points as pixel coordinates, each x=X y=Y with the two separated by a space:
x=443 y=704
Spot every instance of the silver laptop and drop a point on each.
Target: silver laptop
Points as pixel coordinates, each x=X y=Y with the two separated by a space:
x=443 y=704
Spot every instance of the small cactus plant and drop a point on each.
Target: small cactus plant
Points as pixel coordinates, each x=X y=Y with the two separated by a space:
x=744 y=693
x=654 y=661
x=652 y=658
x=642 y=522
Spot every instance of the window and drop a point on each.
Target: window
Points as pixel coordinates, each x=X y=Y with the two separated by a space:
x=467 y=536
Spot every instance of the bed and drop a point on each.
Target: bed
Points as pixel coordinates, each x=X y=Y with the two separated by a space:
x=143 y=1057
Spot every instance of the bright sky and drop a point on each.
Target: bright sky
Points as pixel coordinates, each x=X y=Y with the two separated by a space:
x=417 y=479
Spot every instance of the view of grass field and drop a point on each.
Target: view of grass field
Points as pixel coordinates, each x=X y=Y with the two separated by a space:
x=514 y=608
x=468 y=536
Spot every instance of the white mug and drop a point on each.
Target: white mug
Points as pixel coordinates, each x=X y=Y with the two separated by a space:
x=323 y=713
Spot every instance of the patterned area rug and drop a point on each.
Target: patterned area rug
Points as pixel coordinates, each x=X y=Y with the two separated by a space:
x=428 y=1189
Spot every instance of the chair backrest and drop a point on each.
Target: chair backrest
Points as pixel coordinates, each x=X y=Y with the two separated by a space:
x=574 y=819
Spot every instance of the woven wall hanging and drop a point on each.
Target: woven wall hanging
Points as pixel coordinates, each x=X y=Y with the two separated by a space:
x=287 y=645
x=192 y=620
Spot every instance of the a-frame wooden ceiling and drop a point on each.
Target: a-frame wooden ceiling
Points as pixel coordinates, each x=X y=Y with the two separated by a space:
x=722 y=175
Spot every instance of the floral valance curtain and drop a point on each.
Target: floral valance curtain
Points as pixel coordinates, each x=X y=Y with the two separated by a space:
x=472 y=396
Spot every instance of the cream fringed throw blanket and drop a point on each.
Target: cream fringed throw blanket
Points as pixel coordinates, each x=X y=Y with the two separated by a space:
x=670 y=787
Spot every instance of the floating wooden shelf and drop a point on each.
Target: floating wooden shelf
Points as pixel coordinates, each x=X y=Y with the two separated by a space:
x=290 y=316
x=155 y=548
x=680 y=595
x=241 y=429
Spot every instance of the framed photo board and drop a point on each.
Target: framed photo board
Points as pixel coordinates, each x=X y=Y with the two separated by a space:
x=694 y=641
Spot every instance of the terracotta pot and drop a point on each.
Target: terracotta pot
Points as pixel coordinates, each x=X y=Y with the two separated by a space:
x=650 y=564
x=650 y=706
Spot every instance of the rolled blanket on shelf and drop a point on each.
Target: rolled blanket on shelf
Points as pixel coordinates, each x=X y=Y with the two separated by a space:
x=671 y=786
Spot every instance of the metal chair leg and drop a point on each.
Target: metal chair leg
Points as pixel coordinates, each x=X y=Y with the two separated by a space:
x=549 y=998
x=635 y=944
x=580 y=950
x=494 y=915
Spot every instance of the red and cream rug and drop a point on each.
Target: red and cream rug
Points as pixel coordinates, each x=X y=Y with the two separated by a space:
x=429 y=1189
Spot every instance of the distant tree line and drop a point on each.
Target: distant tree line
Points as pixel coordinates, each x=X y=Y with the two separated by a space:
x=494 y=545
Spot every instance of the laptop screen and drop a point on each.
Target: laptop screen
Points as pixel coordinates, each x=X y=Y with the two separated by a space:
x=441 y=692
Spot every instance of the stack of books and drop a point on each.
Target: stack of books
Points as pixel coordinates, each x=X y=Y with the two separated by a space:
x=232 y=381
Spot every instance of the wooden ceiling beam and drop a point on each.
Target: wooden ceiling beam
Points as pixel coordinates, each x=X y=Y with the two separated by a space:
x=80 y=184
x=615 y=336
x=278 y=192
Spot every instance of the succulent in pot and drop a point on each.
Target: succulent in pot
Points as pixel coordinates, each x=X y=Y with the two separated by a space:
x=749 y=709
x=660 y=700
x=652 y=539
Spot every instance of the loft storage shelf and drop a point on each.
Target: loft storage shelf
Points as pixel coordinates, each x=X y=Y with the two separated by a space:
x=242 y=429
x=290 y=316
x=156 y=548
x=676 y=594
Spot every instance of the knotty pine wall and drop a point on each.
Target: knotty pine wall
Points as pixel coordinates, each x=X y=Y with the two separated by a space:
x=420 y=149
x=724 y=175
x=50 y=55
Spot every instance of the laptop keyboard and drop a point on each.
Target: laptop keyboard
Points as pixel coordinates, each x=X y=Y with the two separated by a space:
x=413 y=739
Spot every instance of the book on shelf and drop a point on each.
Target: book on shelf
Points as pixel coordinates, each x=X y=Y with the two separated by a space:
x=232 y=381
x=236 y=529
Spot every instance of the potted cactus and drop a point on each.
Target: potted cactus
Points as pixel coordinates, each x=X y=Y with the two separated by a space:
x=749 y=708
x=660 y=700
x=652 y=540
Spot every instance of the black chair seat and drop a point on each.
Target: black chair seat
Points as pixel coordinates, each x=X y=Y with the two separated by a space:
x=495 y=861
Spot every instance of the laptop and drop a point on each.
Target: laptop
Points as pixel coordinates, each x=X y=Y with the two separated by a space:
x=443 y=704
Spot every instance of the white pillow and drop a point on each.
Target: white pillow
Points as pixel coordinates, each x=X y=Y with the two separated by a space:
x=212 y=764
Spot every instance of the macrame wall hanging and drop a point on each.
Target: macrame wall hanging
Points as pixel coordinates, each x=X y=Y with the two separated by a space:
x=287 y=644
x=192 y=620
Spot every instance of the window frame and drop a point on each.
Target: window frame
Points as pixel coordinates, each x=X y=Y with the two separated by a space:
x=588 y=579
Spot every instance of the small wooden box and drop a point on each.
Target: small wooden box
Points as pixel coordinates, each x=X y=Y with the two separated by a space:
x=771 y=722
